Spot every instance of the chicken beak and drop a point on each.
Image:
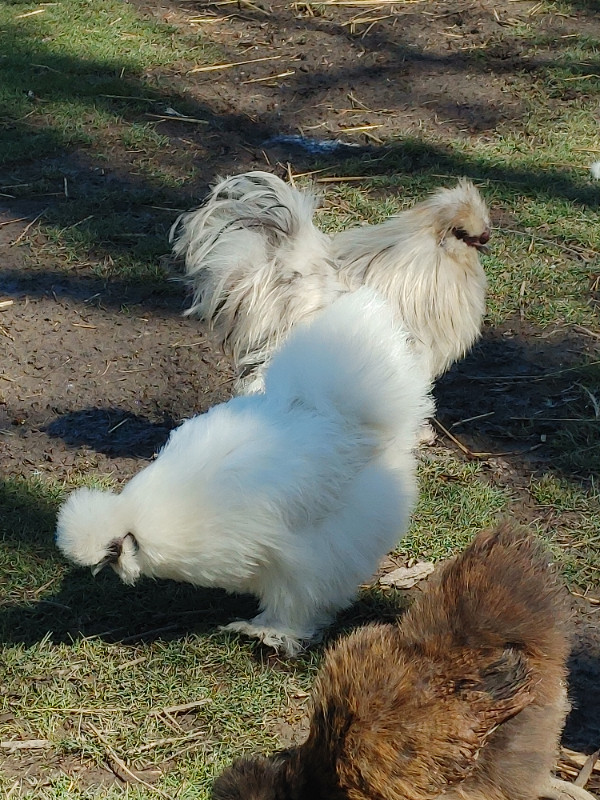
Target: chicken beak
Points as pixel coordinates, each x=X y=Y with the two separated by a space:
x=481 y=243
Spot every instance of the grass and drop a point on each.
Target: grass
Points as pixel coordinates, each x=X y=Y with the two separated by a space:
x=123 y=690
x=75 y=71
x=90 y=665
x=78 y=77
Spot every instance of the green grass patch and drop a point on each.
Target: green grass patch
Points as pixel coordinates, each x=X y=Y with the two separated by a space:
x=574 y=525
x=78 y=68
x=458 y=499
x=82 y=77
x=455 y=502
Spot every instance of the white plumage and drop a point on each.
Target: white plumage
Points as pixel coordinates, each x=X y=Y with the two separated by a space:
x=258 y=266
x=292 y=495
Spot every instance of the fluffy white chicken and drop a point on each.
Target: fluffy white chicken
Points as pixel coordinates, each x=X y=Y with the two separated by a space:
x=292 y=495
x=258 y=266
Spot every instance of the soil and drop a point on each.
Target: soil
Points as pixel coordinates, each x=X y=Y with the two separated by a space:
x=95 y=376
x=95 y=373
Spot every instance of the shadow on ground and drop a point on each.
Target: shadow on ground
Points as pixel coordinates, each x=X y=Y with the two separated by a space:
x=582 y=731
x=99 y=429
x=532 y=398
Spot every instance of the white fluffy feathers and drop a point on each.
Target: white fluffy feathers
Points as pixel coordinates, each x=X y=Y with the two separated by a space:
x=258 y=266
x=293 y=495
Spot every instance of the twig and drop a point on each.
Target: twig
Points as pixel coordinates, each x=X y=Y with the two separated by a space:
x=361 y=128
x=187 y=344
x=254 y=7
x=118 y=425
x=183 y=707
x=27 y=227
x=458 y=443
x=592 y=397
x=271 y=77
x=128 y=97
x=373 y=137
x=587 y=331
x=82 y=710
x=448 y=13
x=30 y=13
x=582 y=77
x=471 y=454
x=521 y=300
x=358 y=20
x=26 y=744
x=113 y=756
x=335 y=179
x=135 y=636
x=4 y=332
x=357 y=102
x=231 y=64
x=311 y=172
x=169 y=740
x=579 y=759
x=501 y=378
x=360 y=3
x=208 y=20
x=594 y=601
x=472 y=419
x=12 y=789
x=554 y=419
x=12 y=221
x=174 y=118
x=533 y=237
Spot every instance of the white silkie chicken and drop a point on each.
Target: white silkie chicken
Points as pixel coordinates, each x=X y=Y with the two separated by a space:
x=258 y=266
x=293 y=495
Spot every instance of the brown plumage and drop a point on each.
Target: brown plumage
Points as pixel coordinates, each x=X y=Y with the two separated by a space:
x=465 y=697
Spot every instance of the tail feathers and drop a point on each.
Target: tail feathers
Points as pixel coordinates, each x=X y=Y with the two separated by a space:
x=245 y=251
x=354 y=358
x=256 y=202
x=502 y=591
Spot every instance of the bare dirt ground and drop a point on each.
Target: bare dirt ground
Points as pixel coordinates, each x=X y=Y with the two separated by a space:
x=94 y=374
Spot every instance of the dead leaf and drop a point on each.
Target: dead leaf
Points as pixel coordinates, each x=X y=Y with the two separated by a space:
x=407 y=577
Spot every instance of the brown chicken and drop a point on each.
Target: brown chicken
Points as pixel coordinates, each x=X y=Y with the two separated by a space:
x=465 y=698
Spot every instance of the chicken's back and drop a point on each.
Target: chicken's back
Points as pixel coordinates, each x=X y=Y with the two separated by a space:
x=503 y=592
x=502 y=589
